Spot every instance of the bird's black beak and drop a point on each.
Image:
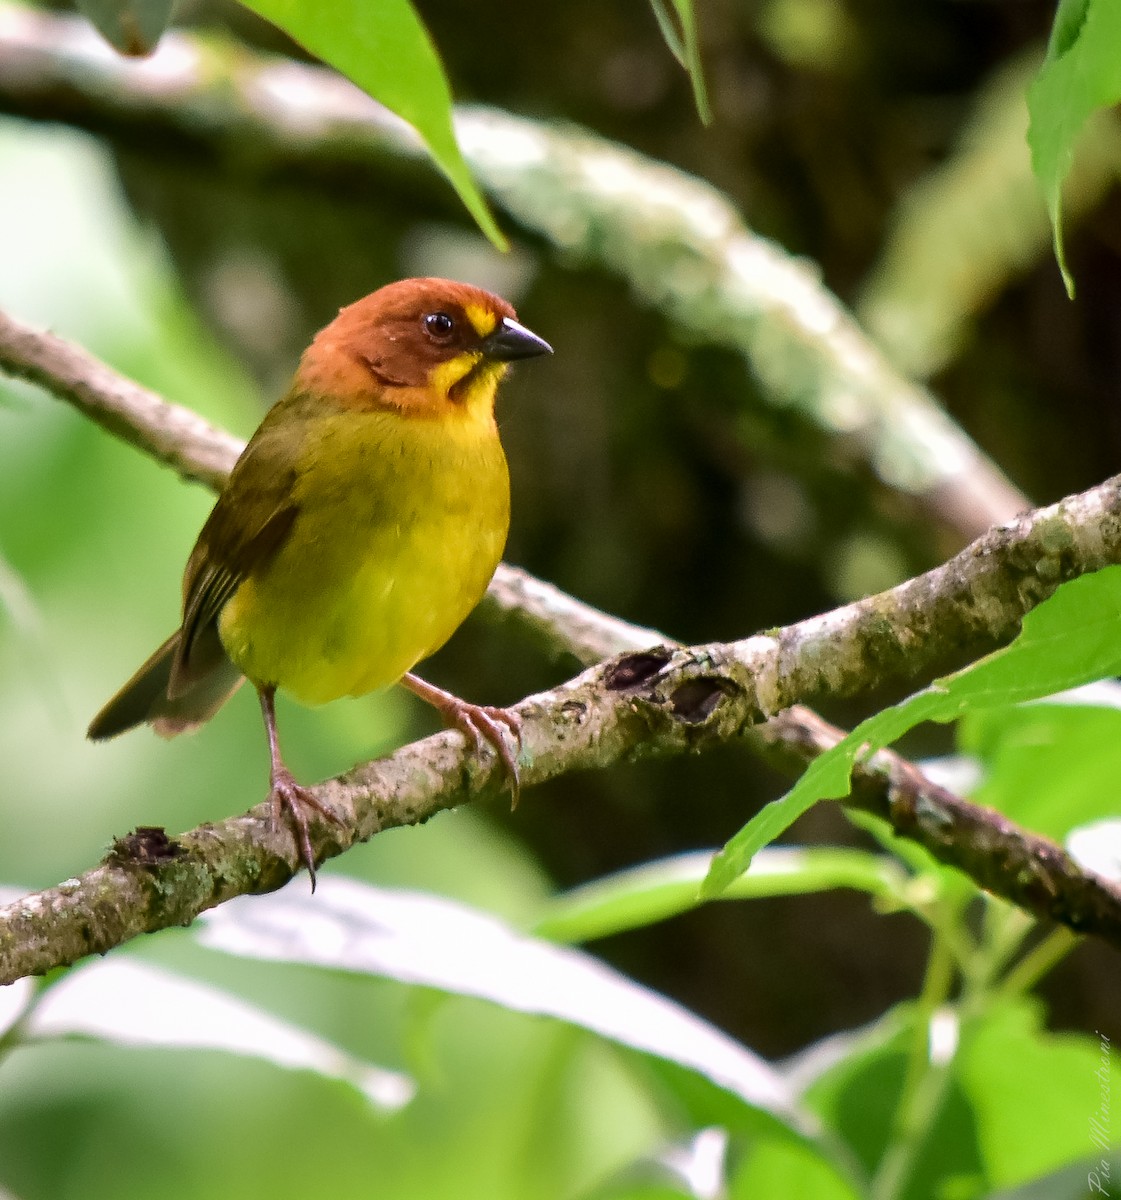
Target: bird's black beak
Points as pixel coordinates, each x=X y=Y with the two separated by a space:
x=511 y=340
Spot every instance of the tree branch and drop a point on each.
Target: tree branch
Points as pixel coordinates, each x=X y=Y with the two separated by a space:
x=1020 y=867
x=172 y=435
x=654 y=699
x=679 y=243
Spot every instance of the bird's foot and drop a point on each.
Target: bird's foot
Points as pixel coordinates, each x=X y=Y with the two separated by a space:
x=498 y=727
x=289 y=796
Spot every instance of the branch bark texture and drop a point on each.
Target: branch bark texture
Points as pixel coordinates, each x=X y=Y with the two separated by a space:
x=680 y=244
x=653 y=699
x=1021 y=867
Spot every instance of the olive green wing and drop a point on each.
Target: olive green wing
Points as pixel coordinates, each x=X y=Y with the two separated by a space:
x=249 y=524
x=190 y=676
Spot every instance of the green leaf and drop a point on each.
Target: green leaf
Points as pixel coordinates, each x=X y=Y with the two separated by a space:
x=701 y=1104
x=659 y=890
x=684 y=46
x=1018 y=1103
x=1049 y=766
x=131 y=26
x=387 y=52
x=1035 y=1095
x=1077 y=1181
x=859 y=1098
x=1082 y=73
x=434 y=942
x=776 y=1167
x=1070 y=639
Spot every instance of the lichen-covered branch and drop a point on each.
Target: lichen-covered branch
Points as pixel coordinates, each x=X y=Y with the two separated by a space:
x=653 y=699
x=670 y=701
x=680 y=243
x=1020 y=867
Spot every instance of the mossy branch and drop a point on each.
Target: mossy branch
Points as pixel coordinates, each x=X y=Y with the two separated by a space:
x=652 y=699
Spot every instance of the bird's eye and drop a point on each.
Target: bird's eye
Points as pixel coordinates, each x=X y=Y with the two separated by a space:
x=439 y=325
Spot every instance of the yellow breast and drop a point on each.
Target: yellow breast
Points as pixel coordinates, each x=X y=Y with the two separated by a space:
x=401 y=524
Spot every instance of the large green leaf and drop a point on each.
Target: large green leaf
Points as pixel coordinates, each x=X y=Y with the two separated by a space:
x=1018 y=1102
x=693 y=1169
x=434 y=942
x=385 y=49
x=859 y=1097
x=1049 y=766
x=1039 y=1099
x=1082 y=73
x=128 y=1003
x=1071 y=639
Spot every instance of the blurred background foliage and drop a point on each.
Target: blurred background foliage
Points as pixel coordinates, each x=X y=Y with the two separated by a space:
x=883 y=142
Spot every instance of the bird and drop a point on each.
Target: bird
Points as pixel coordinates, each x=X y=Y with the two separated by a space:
x=361 y=524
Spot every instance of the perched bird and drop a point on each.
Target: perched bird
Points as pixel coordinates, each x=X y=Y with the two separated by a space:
x=359 y=527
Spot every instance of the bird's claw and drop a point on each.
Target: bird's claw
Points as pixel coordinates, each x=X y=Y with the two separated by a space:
x=478 y=722
x=498 y=727
x=288 y=796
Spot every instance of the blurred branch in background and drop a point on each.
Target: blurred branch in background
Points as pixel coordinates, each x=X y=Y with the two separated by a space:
x=974 y=222
x=653 y=700
x=679 y=243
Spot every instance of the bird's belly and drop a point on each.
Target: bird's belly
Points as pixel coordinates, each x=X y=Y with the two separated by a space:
x=344 y=616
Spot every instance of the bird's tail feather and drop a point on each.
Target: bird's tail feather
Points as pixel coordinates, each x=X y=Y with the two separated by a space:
x=145 y=698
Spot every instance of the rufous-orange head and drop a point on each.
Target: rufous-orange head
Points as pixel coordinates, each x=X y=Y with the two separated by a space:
x=423 y=346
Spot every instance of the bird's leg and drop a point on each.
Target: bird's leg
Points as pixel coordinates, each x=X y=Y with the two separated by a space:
x=285 y=793
x=480 y=722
